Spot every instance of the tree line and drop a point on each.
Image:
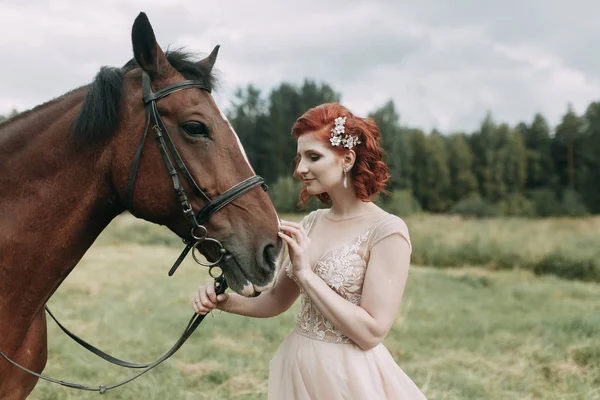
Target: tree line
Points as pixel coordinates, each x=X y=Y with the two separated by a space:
x=531 y=169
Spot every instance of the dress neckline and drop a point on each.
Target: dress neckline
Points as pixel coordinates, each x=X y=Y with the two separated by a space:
x=326 y=215
x=353 y=239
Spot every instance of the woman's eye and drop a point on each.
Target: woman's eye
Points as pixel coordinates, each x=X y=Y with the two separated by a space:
x=314 y=157
x=195 y=129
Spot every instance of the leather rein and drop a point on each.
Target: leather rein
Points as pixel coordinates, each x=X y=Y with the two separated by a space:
x=198 y=232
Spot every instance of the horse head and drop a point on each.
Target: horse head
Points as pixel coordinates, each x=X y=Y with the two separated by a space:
x=167 y=97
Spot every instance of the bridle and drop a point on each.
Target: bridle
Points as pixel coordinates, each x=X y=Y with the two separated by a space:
x=166 y=145
x=198 y=232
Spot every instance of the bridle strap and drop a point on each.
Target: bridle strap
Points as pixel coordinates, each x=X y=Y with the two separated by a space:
x=149 y=100
x=225 y=198
x=165 y=142
x=135 y=165
x=179 y=191
x=92 y=348
x=150 y=96
x=220 y=287
x=215 y=205
x=166 y=146
x=150 y=103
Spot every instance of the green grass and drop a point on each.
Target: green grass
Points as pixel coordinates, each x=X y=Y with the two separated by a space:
x=463 y=333
x=567 y=247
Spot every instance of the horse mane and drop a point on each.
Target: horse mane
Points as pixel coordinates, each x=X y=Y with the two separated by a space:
x=100 y=113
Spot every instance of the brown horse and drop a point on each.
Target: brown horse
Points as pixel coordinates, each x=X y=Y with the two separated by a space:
x=65 y=172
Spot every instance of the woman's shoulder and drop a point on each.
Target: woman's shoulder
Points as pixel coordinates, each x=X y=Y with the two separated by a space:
x=309 y=218
x=393 y=221
x=388 y=225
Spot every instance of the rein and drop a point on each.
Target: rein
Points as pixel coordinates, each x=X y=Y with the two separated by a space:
x=220 y=287
x=198 y=232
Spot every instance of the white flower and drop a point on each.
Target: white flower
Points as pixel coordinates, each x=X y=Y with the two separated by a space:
x=335 y=140
x=340 y=121
x=336 y=134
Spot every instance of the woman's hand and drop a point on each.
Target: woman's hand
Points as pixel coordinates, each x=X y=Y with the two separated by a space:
x=298 y=243
x=207 y=300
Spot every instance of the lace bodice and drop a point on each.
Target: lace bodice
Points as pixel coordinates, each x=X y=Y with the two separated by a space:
x=343 y=268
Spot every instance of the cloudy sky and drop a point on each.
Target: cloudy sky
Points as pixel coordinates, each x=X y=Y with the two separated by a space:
x=444 y=63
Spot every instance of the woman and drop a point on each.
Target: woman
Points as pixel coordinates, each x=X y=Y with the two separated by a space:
x=349 y=263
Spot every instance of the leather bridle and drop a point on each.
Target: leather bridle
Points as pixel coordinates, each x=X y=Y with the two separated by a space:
x=166 y=145
x=198 y=232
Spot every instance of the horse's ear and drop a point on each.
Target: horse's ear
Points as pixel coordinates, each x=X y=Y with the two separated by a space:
x=146 y=50
x=209 y=61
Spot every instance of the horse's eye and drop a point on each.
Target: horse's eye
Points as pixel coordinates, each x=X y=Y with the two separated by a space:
x=195 y=129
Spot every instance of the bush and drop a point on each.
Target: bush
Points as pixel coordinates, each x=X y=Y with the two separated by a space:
x=569 y=266
x=313 y=204
x=545 y=202
x=285 y=193
x=474 y=206
x=399 y=202
x=572 y=205
x=516 y=205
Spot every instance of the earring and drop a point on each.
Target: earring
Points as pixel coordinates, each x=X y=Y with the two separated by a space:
x=345 y=180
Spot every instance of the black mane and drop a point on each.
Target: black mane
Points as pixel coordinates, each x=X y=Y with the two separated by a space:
x=99 y=116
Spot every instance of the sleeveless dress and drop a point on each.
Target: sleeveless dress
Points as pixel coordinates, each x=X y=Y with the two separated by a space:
x=316 y=361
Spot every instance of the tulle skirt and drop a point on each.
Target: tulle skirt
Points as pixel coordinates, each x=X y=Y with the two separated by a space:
x=310 y=369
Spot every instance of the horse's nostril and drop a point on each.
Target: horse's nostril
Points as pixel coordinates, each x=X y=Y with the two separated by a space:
x=269 y=257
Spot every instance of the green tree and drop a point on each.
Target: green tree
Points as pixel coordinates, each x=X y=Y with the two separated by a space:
x=566 y=149
x=249 y=118
x=514 y=158
x=431 y=176
x=540 y=169
x=463 y=182
x=590 y=179
x=483 y=145
x=395 y=144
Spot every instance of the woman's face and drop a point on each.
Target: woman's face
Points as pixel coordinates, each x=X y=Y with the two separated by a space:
x=319 y=166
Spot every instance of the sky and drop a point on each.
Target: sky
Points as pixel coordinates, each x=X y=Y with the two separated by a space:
x=443 y=63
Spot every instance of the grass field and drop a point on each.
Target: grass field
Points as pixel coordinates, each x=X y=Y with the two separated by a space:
x=567 y=246
x=463 y=333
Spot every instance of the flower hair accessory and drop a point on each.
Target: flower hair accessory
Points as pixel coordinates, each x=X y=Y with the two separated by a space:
x=338 y=130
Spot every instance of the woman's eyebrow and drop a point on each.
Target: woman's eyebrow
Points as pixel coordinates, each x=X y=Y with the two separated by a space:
x=309 y=151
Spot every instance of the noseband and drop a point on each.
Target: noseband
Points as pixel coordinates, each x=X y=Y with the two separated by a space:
x=198 y=232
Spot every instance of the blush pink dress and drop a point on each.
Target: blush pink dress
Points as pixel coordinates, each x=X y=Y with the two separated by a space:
x=316 y=361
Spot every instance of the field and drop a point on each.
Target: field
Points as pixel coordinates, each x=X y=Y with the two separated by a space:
x=492 y=330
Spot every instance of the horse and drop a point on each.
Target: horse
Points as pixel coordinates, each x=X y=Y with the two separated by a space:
x=68 y=167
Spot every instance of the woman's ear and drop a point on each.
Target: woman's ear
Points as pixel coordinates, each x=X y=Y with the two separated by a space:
x=349 y=159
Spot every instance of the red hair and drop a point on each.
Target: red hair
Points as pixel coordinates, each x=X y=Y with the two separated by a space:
x=369 y=172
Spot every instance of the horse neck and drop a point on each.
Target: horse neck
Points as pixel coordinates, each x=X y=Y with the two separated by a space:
x=55 y=201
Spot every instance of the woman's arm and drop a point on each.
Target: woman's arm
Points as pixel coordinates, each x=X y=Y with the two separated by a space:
x=387 y=272
x=269 y=304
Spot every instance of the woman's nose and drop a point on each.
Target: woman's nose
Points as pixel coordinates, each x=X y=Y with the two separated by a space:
x=302 y=170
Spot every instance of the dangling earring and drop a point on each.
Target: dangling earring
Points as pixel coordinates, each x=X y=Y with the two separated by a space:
x=345 y=180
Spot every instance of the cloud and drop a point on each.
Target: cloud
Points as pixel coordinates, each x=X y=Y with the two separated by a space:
x=445 y=64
